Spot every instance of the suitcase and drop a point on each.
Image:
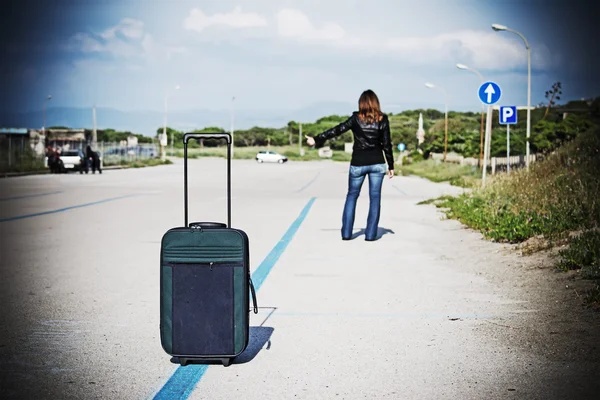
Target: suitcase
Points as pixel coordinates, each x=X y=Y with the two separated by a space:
x=205 y=283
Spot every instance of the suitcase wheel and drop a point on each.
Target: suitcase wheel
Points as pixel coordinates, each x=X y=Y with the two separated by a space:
x=226 y=362
x=183 y=361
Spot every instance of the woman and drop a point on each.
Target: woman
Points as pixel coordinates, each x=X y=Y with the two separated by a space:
x=371 y=130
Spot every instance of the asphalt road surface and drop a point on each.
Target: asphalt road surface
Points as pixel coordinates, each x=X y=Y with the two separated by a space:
x=429 y=311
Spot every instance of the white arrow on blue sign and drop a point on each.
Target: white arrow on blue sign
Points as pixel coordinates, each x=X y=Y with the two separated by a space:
x=489 y=93
x=508 y=115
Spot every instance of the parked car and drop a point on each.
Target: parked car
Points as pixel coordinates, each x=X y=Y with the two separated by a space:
x=73 y=160
x=70 y=160
x=270 y=156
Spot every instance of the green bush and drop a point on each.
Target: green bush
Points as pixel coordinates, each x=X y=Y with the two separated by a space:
x=558 y=194
x=583 y=253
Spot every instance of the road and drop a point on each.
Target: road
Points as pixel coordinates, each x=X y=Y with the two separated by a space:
x=429 y=311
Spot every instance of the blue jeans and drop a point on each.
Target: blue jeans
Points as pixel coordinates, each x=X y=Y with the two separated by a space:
x=356 y=177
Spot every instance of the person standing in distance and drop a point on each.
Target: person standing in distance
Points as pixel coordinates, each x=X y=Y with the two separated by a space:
x=371 y=130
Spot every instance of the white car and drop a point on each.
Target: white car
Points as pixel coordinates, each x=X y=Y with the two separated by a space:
x=74 y=160
x=270 y=156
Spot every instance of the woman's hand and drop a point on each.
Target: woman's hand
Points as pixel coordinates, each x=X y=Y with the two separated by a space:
x=390 y=173
x=309 y=140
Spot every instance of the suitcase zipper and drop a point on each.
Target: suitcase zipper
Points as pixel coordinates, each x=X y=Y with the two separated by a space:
x=209 y=264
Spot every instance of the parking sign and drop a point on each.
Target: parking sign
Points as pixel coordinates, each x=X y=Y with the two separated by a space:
x=508 y=115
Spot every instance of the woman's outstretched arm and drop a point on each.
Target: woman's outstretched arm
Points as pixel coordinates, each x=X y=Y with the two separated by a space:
x=337 y=130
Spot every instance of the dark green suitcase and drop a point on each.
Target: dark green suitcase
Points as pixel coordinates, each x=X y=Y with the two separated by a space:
x=204 y=283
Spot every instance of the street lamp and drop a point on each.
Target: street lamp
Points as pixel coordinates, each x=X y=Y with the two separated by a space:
x=432 y=86
x=231 y=122
x=45 y=101
x=163 y=140
x=498 y=27
x=463 y=66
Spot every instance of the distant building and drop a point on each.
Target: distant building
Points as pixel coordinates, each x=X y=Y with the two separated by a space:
x=22 y=137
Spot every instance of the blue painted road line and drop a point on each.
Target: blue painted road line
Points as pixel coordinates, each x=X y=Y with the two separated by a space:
x=28 y=195
x=309 y=183
x=184 y=379
x=63 y=209
x=261 y=273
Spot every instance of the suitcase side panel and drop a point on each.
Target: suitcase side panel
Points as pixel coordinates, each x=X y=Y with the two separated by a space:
x=242 y=310
x=166 y=307
x=240 y=316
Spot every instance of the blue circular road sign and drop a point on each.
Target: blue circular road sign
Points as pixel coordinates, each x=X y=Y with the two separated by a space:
x=489 y=93
x=401 y=146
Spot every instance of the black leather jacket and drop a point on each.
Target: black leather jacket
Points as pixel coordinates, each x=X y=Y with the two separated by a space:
x=367 y=137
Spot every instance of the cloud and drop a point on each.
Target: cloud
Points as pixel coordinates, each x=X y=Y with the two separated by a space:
x=198 y=21
x=480 y=49
x=122 y=40
x=126 y=40
x=295 y=24
x=128 y=27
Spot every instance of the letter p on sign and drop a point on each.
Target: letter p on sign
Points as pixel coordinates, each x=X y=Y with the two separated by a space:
x=508 y=115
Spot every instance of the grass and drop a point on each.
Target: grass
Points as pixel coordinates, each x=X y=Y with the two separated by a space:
x=556 y=198
x=21 y=163
x=249 y=153
x=583 y=254
x=455 y=174
x=149 y=162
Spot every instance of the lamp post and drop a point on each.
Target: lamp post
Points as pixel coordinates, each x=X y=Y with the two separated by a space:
x=498 y=27
x=231 y=123
x=163 y=140
x=432 y=86
x=463 y=66
x=44 y=124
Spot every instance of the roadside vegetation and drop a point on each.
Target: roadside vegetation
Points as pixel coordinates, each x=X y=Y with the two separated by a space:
x=555 y=203
x=26 y=162
x=141 y=163
x=438 y=171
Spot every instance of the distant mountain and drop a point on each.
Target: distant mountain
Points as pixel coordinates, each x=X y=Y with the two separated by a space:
x=147 y=122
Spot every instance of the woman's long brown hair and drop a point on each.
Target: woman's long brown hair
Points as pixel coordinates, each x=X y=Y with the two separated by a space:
x=369 y=109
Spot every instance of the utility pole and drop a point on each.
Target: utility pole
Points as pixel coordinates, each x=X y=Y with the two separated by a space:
x=446 y=133
x=44 y=125
x=481 y=137
x=94 y=132
x=498 y=27
x=231 y=130
x=488 y=131
x=300 y=140
x=164 y=137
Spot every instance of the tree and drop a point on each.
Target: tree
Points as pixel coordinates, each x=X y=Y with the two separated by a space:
x=551 y=95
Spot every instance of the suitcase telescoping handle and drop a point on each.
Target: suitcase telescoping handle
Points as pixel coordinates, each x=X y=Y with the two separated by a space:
x=186 y=138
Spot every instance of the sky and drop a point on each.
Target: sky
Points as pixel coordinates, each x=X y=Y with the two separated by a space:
x=283 y=54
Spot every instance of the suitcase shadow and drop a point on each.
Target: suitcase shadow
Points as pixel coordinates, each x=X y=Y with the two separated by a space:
x=258 y=337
